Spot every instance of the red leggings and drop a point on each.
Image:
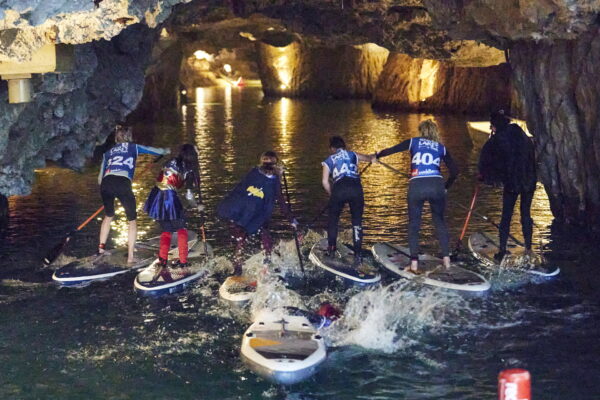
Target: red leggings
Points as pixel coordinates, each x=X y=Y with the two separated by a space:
x=182 y=245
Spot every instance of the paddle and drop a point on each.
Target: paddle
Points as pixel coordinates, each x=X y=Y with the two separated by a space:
x=487 y=219
x=483 y=217
x=296 y=240
x=464 y=229
x=53 y=254
x=362 y=171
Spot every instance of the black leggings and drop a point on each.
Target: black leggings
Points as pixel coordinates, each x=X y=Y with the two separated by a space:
x=433 y=191
x=508 y=205
x=347 y=190
x=114 y=186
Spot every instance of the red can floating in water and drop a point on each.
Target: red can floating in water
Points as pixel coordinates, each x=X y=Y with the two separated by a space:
x=514 y=384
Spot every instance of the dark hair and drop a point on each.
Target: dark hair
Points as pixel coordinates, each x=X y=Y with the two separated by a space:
x=269 y=153
x=188 y=160
x=499 y=120
x=337 y=142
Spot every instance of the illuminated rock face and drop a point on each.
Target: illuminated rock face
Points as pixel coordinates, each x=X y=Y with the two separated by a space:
x=561 y=88
x=301 y=70
x=415 y=84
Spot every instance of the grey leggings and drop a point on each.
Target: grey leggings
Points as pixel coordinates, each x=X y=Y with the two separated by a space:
x=431 y=190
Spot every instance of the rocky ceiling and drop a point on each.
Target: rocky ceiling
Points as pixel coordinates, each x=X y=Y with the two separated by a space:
x=551 y=45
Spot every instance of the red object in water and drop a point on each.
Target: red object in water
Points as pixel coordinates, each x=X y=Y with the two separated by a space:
x=328 y=311
x=514 y=384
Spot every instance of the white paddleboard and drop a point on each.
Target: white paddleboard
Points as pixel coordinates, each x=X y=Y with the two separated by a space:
x=238 y=289
x=484 y=246
x=395 y=258
x=341 y=264
x=85 y=270
x=283 y=348
x=148 y=283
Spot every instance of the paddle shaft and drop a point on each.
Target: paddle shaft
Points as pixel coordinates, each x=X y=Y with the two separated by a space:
x=56 y=250
x=296 y=240
x=483 y=217
x=464 y=229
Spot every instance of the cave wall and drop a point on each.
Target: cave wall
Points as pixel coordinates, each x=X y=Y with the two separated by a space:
x=416 y=84
x=301 y=70
x=561 y=87
x=73 y=112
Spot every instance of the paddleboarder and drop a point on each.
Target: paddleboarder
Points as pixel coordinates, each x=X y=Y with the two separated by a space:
x=426 y=184
x=341 y=168
x=164 y=205
x=116 y=174
x=508 y=159
x=249 y=206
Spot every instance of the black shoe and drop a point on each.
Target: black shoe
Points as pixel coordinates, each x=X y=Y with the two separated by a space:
x=499 y=256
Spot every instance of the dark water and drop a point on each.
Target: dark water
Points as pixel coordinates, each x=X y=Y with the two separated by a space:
x=395 y=341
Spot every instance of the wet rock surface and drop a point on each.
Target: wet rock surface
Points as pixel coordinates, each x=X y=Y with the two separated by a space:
x=72 y=113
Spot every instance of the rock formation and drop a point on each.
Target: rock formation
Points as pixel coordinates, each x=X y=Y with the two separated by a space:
x=416 y=84
x=311 y=71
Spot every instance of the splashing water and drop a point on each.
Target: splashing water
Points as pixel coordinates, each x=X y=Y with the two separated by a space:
x=392 y=318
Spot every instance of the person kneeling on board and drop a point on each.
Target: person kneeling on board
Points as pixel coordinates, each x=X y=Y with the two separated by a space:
x=426 y=184
x=508 y=158
x=163 y=205
x=249 y=206
x=116 y=173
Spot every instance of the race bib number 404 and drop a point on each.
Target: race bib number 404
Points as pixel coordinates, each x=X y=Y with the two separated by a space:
x=425 y=159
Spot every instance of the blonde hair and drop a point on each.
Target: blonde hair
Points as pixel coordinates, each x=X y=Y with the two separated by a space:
x=123 y=133
x=429 y=130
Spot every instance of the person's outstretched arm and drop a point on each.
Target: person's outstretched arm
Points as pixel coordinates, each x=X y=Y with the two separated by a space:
x=403 y=146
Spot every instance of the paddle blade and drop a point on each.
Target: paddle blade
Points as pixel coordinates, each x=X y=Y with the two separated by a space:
x=56 y=250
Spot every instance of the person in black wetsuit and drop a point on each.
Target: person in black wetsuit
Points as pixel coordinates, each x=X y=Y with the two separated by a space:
x=249 y=206
x=342 y=167
x=426 y=184
x=508 y=158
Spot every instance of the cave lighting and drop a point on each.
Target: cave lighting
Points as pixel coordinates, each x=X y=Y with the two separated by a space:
x=184 y=92
x=283 y=66
x=227 y=68
x=202 y=55
x=427 y=78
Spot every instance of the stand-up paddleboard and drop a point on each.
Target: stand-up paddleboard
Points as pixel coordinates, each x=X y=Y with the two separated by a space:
x=114 y=262
x=395 y=258
x=238 y=290
x=149 y=283
x=283 y=348
x=341 y=264
x=483 y=247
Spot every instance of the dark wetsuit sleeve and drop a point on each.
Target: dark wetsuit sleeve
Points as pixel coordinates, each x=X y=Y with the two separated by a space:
x=452 y=168
x=394 y=149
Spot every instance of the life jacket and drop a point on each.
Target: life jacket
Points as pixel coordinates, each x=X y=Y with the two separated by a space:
x=342 y=164
x=120 y=160
x=250 y=204
x=425 y=158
